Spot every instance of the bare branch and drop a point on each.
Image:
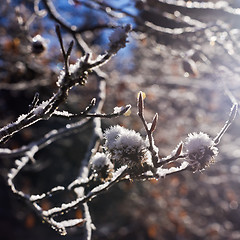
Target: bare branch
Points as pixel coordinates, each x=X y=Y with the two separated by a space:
x=230 y=120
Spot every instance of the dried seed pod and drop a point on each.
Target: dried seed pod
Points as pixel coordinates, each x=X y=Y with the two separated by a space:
x=39 y=44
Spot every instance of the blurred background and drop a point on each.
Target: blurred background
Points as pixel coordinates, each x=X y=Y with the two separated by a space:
x=185 y=56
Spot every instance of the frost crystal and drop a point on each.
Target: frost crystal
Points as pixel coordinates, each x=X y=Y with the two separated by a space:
x=200 y=149
x=162 y=172
x=118 y=109
x=111 y=135
x=20 y=118
x=74 y=67
x=74 y=72
x=196 y=141
x=40 y=108
x=126 y=147
x=39 y=38
x=60 y=78
x=100 y=160
x=102 y=165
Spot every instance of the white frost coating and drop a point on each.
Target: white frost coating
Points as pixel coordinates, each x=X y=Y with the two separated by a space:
x=130 y=138
x=98 y=129
x=53 y=132
x=127 y=147
x=19 y=119
x=18 y=162
x=58 y=188
x=40 y=108
x=74 y=67
x=84 y=172
x=39 y=38
x=10 y=177
x=162 y=172
x=119 y=172
x=201 y=150
x=99 y=57
x=77 y=181
x=60 y=226
x=203 y=5
x=148 y=157
x=103 y=186
x=73 y=70
x=60 y=78
x=118 y=109
x=34 y=198
x=118 y=137
x=14 y=171
x=63 y=207
x=68 y=223
x=39 y=197
x=33 y=150
x=100 y=160
x=111 y=135
x=197 y=141
x=5 y=151
x=63 y=113
x=100 y=187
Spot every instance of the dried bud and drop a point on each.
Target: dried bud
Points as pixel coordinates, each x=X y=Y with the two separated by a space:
x=39 y=44
x=124 y=110
x=190 y=68
x=118 y=38
x=200 y=150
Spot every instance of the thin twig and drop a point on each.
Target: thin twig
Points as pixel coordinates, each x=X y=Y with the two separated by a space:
x=230 y=120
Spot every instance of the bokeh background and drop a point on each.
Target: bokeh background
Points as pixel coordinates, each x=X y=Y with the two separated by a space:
x=190 y=79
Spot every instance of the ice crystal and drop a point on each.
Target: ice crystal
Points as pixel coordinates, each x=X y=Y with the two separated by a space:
x=40 y=108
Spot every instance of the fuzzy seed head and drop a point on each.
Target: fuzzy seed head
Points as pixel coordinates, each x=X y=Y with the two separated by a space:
x=102 y=165
x=126 y=147
x=200 y=150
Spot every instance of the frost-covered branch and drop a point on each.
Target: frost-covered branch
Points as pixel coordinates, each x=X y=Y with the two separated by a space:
x=125 y=156
x=117 y=112
x=116 y=154
x=73 y=75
